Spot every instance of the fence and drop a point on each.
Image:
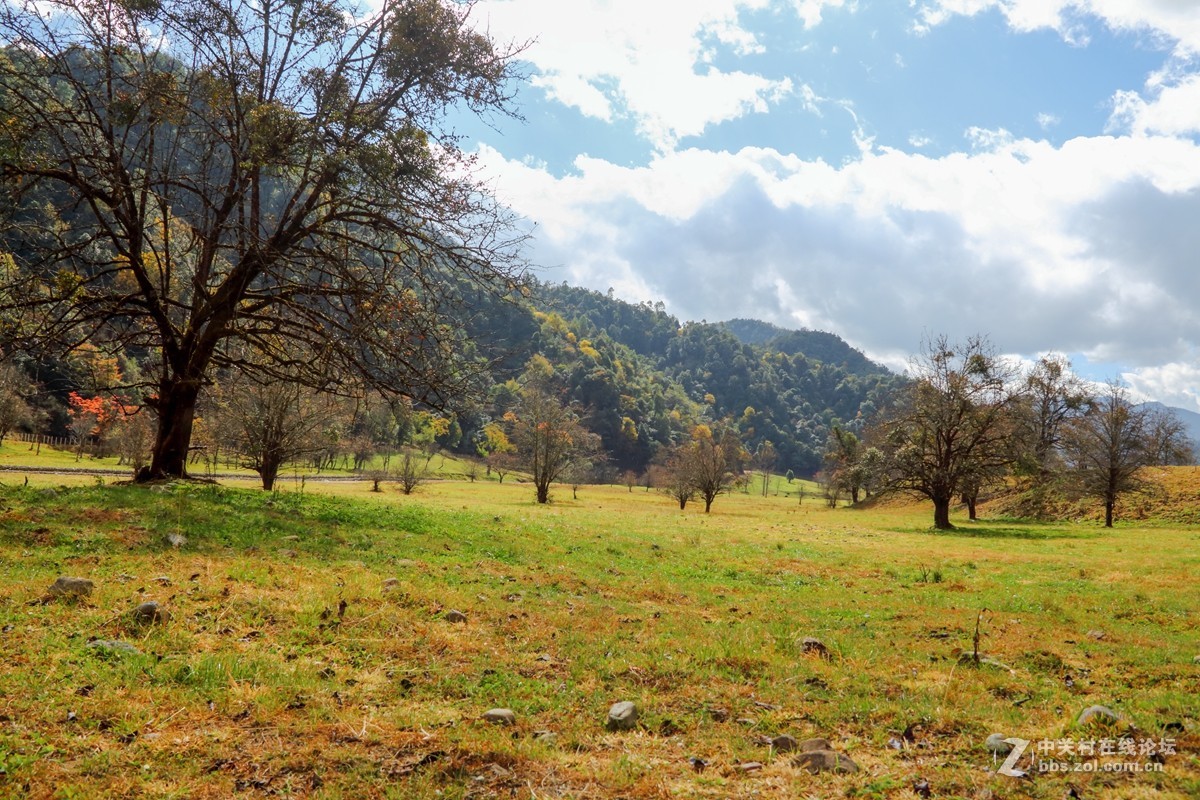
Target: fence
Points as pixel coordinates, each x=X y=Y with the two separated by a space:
x=37 y=438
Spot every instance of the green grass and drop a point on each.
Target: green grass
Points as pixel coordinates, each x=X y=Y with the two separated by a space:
x=259 y=685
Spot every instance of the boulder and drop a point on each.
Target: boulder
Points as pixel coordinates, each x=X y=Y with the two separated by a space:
x=622 y=716
x=150 y=613
x=825 y=761
x=70 y=588
x=1101 y=715
x=500 y=716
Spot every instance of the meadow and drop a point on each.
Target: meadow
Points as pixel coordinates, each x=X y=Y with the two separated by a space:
x=308 y=650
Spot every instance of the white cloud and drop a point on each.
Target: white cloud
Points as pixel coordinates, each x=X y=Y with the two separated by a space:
x=1170 y=20
x=1075 y=247
x=1047 y=121
x=1175 y=384
x=649 y=61
x=1174 y=110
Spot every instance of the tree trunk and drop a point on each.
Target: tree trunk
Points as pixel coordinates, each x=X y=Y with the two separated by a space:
x=543 y=493
x=707 y=503
x=176 y=408
x=1108 y=513
x=971 y=508
x=682 y=503
x=941 y=514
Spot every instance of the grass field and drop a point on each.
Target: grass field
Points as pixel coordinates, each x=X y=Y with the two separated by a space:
x=288 y=668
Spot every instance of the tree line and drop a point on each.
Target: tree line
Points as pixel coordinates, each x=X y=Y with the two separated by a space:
x=970 y=420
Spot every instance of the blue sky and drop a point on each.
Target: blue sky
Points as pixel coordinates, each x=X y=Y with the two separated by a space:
x=1028 y=169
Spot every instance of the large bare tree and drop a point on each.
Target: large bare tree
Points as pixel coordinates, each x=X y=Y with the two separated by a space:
x=200 y=180
x=952 y=423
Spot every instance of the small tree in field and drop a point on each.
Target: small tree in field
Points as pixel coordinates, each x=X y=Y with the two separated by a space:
x=548 y=437
x=411 y=471
x=673 y=476
x=713 y=462
x=276 y=424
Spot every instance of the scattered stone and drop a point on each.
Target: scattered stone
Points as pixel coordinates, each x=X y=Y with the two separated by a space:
x=784 y=743
x=176 y=540
x=825 y=761
x=150 y=613
x=1174 y=727
x=749 y=766
x=405 y=562
x=545 y=737
x=719 y=714
x=895 y=744
x=1098 y=714
x=698 y=764
x=811 y=646
x=391 y=584
x=112 y=648
x=1097 y=635
x=292 y=538
x=455 y=616
x=163 y=580
x=997 y=745
x=71 y=588
x=622 y=716
x=288 y=553
x=545 y=658
x=668 y=728
x=813 y=745
x=126 y=578
x=749 y=722
x=1196 y=660
x=921 y=788
x=500 y=716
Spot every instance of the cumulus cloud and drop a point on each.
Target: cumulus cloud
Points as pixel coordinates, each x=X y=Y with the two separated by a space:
x=1175 y=384
x=1074 y=248
x=650 y=62
x=1169 y=20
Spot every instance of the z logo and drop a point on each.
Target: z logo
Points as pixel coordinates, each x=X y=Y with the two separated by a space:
x=1009 y=766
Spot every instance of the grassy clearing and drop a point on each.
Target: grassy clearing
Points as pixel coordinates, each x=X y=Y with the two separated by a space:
x=263 y=683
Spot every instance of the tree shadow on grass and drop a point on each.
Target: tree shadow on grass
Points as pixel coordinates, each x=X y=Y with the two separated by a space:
x=1026 y=530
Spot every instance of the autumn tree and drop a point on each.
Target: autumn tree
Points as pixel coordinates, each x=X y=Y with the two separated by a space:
x=203 y=173
x=953 y=421
x=714 y=460
x=548 y=437
x=1114 y=439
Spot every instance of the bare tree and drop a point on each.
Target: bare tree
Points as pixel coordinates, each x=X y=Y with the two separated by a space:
x=276 y=424
x=411 y=471
x=1053 y=396
x=673 y=476
x=249 y=171
x=953 y=422
x=1108 y=445
x=764 y=463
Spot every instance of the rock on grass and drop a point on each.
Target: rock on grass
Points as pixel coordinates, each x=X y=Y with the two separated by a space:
x=70 y=588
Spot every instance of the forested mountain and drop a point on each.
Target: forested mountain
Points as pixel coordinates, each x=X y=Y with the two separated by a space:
x=645 y=377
